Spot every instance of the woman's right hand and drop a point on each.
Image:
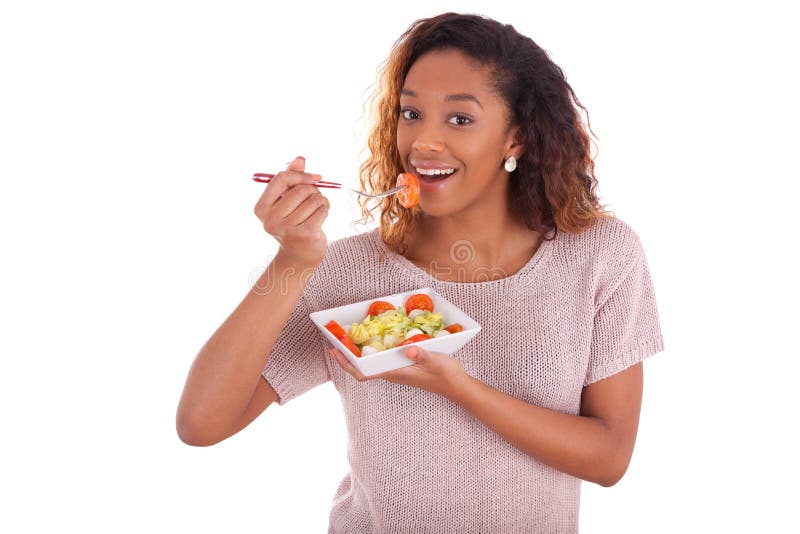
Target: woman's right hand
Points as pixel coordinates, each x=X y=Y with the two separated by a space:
x=292 y=211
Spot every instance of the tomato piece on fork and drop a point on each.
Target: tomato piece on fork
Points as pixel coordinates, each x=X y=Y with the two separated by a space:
x=409 y=196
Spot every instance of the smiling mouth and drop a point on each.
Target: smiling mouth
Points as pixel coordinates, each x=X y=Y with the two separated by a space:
x=435 y=177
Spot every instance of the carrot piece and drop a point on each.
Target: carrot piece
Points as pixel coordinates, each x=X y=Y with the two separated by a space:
x=335 y=329
x=347 y=342
x=453 y=328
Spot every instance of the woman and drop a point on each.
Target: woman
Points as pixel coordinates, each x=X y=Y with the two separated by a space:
x=497 y=437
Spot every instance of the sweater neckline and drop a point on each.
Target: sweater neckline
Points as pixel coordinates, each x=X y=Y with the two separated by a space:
x=544 y=251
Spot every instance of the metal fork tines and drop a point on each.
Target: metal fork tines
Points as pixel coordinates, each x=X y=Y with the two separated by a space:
x=379 y=195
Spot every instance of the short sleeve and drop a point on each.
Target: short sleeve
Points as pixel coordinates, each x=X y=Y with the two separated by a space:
x=626 y=326
x=297 y=362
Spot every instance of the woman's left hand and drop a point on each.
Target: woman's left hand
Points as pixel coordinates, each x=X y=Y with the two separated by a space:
x=432 y=371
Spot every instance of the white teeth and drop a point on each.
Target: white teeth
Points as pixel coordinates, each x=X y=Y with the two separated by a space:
x=434 y=172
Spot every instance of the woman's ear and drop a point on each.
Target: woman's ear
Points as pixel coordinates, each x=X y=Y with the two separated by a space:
x=516 y=144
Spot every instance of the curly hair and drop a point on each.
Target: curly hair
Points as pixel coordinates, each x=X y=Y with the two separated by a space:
x=553 y=187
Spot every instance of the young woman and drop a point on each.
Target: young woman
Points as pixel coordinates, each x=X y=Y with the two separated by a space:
x=497 y=437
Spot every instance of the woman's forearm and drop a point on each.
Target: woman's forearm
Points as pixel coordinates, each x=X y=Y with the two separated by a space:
x=226 y=371
x=581 y=446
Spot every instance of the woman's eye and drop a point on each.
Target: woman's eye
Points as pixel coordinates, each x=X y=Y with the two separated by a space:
x=404 y=111
x=467 y=119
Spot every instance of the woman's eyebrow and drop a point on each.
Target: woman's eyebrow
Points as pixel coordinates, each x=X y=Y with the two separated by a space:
x=459 y=96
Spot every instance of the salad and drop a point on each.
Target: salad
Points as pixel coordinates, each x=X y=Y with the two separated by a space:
x=386 y=327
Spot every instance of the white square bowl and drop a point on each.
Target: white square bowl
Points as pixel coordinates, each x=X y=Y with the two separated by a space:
x=395 y=358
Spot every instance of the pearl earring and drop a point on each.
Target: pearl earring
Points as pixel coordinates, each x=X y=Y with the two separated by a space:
x=511 y=164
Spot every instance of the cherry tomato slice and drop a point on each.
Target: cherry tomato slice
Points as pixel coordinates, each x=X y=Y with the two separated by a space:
x=347 y=342
x=453 y=328
x=379 y=306
x=420 y=301
x=414 y=339
x=409 y=196
x=335 y=329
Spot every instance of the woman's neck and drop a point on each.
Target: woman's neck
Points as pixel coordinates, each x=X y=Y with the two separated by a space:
x=481 y=243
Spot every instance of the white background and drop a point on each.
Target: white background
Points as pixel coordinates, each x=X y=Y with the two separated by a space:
x=128 y=135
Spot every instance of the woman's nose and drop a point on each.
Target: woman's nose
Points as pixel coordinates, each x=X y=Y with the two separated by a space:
x=428 y=140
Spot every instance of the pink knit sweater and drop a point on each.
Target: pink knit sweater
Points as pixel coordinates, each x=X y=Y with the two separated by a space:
x=581 y=309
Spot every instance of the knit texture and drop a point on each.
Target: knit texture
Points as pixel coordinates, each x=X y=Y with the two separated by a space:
x=580 y=310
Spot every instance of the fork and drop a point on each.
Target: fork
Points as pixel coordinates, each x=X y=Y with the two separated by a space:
x=265 y=179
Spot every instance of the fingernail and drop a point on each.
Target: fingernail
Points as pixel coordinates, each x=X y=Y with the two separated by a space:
x=317 y=176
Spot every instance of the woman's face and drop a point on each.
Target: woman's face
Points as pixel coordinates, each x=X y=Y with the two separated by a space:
x=450 y=117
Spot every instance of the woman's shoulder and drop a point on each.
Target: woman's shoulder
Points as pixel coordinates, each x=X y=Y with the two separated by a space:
x=613 y=248
x=354 y=267
x=363 y=244
x=605 y=239
x=603 y=251
x=354 y=254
